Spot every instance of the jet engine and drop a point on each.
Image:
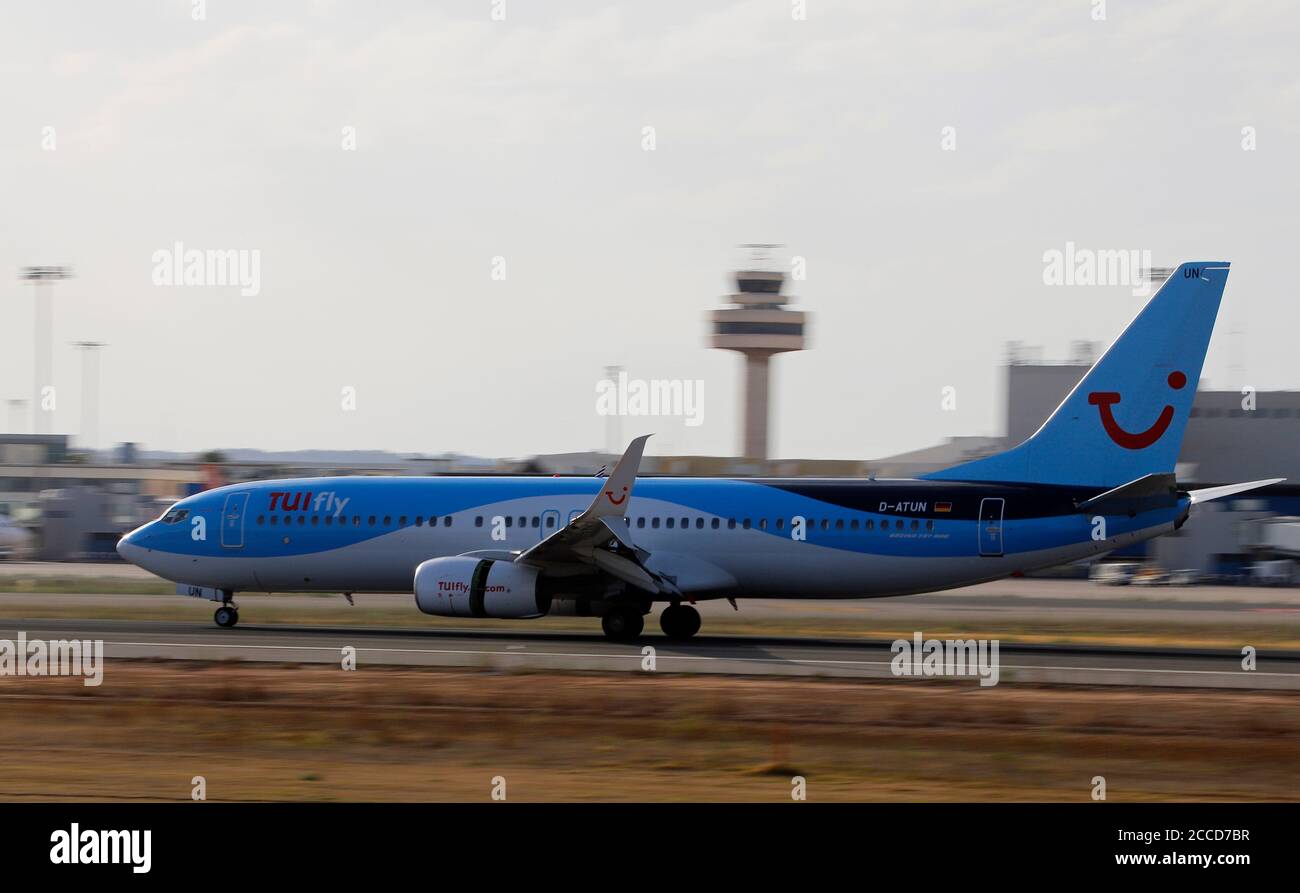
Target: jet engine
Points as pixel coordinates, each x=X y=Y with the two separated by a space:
x=463 y=586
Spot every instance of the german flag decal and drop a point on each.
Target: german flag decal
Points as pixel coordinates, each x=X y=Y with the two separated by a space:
x=943 y=506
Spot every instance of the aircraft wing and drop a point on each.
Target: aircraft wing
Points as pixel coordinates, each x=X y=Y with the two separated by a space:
x=598 y=538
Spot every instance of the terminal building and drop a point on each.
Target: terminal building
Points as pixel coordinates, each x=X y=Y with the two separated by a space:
x=78 y=504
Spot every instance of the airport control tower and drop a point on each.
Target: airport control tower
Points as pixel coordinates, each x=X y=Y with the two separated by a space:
x=756 y=324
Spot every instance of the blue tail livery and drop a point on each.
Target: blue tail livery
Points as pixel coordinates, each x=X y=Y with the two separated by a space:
x=1126 y=418
x=1096 y=476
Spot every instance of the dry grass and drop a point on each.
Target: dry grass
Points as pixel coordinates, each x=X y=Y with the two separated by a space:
x=311 y=733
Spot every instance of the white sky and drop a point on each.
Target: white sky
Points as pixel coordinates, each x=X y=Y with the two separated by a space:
x=523 y=139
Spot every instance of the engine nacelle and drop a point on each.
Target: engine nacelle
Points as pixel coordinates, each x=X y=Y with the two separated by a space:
x=479 y=587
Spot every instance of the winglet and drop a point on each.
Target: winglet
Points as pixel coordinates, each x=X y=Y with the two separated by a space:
x=1208 y=493
x=613 y=497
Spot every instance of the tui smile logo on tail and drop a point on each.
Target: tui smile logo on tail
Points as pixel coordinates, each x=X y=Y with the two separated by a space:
x=1103 y=400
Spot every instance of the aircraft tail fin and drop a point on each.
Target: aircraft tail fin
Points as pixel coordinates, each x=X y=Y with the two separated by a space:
x=1125 y=419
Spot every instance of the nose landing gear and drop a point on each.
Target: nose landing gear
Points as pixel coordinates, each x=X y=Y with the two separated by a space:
x=226 y=616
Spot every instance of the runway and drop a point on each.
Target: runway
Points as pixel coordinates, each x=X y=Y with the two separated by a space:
x=512 y=651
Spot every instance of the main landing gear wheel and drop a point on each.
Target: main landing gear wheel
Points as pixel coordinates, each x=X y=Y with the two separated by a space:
x=622 y=624
x=226 y=616
x=679 y=621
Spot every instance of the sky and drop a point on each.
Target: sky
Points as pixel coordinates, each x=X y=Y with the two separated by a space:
x=464 y=212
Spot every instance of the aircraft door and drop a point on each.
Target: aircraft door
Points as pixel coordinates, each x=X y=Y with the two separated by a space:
x=990 y=526
x=232 y=521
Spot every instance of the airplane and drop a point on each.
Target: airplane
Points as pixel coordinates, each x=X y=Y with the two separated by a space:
x=1096 y=476
x=14 y=541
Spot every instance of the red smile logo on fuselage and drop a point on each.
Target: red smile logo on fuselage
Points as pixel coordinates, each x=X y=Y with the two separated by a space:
x=1103 y=400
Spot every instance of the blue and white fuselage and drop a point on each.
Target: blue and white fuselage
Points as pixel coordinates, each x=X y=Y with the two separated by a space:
x=717 y=538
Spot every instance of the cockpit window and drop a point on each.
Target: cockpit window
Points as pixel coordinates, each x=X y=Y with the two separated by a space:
x=175 y=516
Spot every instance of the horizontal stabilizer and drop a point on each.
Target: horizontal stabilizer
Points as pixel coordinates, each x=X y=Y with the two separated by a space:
x=1208 y=493
x=1149 y=492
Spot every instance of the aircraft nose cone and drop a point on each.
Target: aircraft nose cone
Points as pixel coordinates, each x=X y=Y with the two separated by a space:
x=129 y=547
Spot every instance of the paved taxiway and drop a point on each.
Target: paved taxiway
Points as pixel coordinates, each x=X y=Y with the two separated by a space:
x=1003 y=601
x=509 y=651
